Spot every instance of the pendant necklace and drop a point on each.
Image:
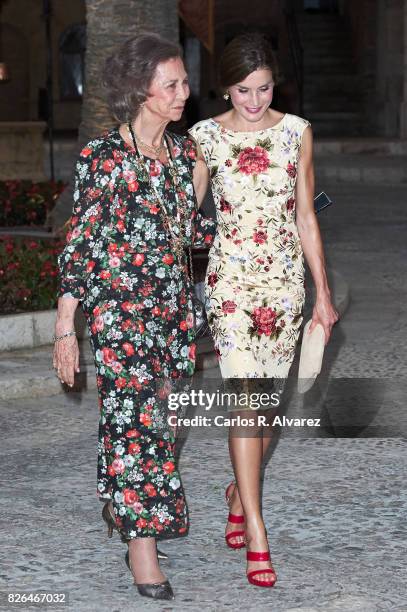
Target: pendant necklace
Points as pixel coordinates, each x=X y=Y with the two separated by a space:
x=175 y=226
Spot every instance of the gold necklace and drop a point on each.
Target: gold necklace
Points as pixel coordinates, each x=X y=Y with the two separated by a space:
x=175 y=231
x=156 y=150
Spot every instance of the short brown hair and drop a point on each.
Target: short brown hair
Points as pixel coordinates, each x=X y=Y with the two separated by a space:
x=245 y=54
x=128 y=73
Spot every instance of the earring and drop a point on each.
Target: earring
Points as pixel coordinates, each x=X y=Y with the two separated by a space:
x=226 y=95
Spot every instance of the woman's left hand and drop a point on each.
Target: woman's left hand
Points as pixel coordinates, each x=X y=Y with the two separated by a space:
x=324 y=313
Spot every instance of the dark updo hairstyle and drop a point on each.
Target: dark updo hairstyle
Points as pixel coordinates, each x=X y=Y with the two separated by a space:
x=243 y=55
x=128 y=73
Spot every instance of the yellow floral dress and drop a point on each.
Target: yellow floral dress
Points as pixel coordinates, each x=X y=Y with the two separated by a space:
x=254 y=283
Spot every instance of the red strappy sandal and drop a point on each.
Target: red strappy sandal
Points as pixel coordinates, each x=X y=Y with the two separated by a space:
x=237 y=519
x=260 y=556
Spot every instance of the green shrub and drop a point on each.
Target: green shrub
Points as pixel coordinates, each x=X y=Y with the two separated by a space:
x=27 y=203
x=28 y=273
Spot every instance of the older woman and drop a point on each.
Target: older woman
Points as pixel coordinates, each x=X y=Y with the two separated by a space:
x=134 y=213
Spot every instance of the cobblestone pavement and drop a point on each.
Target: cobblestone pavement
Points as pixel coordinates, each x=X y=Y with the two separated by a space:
x=334 y=507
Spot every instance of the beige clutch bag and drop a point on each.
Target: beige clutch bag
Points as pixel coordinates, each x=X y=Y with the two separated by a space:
x=312 y=351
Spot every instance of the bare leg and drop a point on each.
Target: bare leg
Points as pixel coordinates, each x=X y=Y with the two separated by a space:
x=143 y=561
x=246 y=455
x=235 y=504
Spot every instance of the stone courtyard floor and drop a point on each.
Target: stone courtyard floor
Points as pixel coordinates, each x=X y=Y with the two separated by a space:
x=334 y=501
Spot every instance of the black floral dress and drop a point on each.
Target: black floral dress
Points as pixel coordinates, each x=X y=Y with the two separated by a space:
x=136 y=299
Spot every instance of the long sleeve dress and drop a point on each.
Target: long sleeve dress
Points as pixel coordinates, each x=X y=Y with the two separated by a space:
x=136 y=299
x=255 y=277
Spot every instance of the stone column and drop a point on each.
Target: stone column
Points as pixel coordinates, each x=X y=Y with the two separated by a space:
x=403 y=109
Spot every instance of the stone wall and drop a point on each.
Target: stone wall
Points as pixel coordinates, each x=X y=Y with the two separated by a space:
x=24 y=49
x=21 y=150
x=379 y=42
x=234 y=18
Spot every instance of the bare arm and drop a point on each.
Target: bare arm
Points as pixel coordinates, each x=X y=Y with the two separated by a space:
x=200 y=176
x=324 y=312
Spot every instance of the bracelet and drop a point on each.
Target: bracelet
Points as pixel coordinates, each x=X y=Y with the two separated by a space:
x=70 y=333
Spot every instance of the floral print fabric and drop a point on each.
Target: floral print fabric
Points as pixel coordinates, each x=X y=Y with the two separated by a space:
x=136 y=298
x=255 y=278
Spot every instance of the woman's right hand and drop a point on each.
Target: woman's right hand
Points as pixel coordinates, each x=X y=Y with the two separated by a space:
x=66 y=359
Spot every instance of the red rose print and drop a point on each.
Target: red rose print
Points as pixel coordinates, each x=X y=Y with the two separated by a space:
x=118 y=157
x=291 y=170
x=90 y=266
x=228 y=307
x=146 y=289
x=264 y=320
x=253 y=160
x=290 y=204
x=260 y=236
x=134 y=448
x=138 y=260
x=94 y=194
x=133 y=186
x=127 y=306
x=141 y=523
x=168 y=259
x=108 y=165
x=225 y=206
x=105 y=274
x=145 y=419
x=129 y=349
x=168 y=467
x=212 y=279
x=86 y=151
x=120 y=383
x=118 y=466
x=109 y=356
x=130 y=497
x=132 y=433
x=150 y=490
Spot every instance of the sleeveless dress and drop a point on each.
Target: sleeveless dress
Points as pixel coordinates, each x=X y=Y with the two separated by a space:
x=254 y=283
x=136 y=299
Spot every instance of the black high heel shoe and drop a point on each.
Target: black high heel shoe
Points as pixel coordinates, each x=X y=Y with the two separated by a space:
x=157 y=590
x=160 y=590
x=111 y=524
